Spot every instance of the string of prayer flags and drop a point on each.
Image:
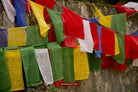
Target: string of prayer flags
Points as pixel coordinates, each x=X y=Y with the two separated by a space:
x=40 y=18
x=33 y=35
x=5 y=84
x=87 y=44
x=32 y=74
x=3 y=37
x=81 y=66
x=58 y=24
x=14 y=63
x=123 y=9
x=9 y=9
x=20 y=7
x=68 y=61
x=118 y=23
x=56 y=61
x=98 y=52
x=94 y=62
x=43 y=61
x=16 y=36
x=74 y=24
x=105 y=21
x=39 y=46
x=120 y=58
x=110 y=47
x=94 y=33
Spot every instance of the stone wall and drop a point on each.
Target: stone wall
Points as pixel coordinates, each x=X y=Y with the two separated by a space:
x=104 y=81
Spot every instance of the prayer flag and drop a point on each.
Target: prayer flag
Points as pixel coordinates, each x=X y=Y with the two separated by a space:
x=74 y=24
x=16 y=36
x=81 y=66
x=14 y=62
x=40 y=18
x=3 y=37
x=32 y=74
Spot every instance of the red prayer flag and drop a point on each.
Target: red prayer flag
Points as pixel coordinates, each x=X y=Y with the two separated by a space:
x=74 y=24
x=120 y=67
x=107 y=41
x=28 y=7
x=107 y=62
x=51 y=35
x=68 y=41
x=127 y=47
x=95 y=36
x=123 y=9
x=48 y=3
x=134 y=47
x=46 y=16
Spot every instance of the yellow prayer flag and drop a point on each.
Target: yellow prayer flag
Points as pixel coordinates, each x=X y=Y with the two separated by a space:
x=16 y=36
x=81 y=67
x=117 y=51
x=38 y=13
x=103 y=20
x=13 y=58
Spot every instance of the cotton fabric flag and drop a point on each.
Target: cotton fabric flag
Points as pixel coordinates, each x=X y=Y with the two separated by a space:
x=123 y=9
x=74 y=24
x=105 y=21
x=134 y=47
x=33 y=35
x=98 y=52
x=94 y=33
x=135 y=63
x=40 y=18
x=127 y=46
x=39 y=46
x=43 y=61
x=9 y=9
x=107 y=43
x=81 y=66
x=16 y=36
x=94 y=62
x=56 y=61
x=120 y=67
x=69 y=41
x=120 y=58
x=3 y=37
x=58 y=24
x=132 y=5
x=14 y=63
x=30 y=66
x=5 y=84
x=68 y=61
x=87 y=44
x=20 y=7
x=118 y=23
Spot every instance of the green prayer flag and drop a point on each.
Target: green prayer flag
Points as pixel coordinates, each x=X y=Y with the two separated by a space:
x=33 y=35
x=118 y=23
x=68 y=62
x=58 y=24
x=5 y=84
x=56 y=61
x=120 y=58
x=31 y=69
x=94 y=62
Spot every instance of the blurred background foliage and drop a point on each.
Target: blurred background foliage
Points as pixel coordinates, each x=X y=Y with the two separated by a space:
x=113 y=2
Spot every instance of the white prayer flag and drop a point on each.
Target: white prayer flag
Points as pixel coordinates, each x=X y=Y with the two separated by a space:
x=87 y=44
x=44 y=64
x=9 y=9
